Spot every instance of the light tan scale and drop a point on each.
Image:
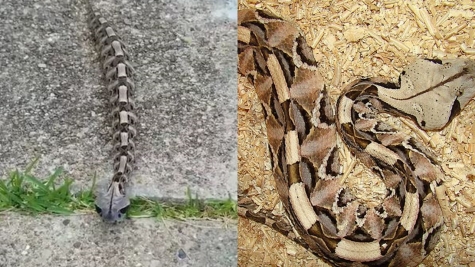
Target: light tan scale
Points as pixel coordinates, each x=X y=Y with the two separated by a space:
x=302 y=132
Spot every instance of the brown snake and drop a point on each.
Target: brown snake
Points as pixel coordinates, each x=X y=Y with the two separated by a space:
x=112 y=205
x=302 y=131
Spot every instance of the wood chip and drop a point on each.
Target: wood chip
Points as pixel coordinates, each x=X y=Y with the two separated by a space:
x=471 y=209
x=455 y=30
x=467 y=50
x=429 y=23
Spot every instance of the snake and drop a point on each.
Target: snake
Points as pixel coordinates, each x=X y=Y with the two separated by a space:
x=112 y=205
x=303 y=126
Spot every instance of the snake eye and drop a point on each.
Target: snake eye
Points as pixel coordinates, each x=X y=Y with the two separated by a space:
x=98 y=210
x=124 y=210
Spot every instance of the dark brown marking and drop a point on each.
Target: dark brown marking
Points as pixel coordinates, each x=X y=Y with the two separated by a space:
x=287 y=66
x=305 y=52
x=294 y=174
x=456 y=109
x=434 y=60
x=267 y=15
x=326 y=111
x=317 y=230
x=307 y=174
x=449 y=79
x=371 y=90
x=353 y=94
x=289 y=125
x=362 y=142
x=329 y=169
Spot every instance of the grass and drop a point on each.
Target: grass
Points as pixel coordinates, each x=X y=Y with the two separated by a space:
x=23 y=192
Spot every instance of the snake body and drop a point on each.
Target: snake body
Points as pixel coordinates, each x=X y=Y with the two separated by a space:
x=113 y=204
x=302 y=128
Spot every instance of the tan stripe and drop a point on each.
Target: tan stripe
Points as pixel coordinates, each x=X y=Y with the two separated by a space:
x=410 y=212
x=124 y=139
x=278 y=77
x=123 y=117
x=244 y=34
x=358 y=251
x=382 y=153
x=110 y=32
x=123 y=94
x=123 y=161
x=102 y=20
x=301 y=205
x=121 y=73
x=344 y=110
x=292 y=146
x=117 y=48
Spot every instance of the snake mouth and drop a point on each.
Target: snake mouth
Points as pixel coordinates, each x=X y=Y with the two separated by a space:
x=111 y=216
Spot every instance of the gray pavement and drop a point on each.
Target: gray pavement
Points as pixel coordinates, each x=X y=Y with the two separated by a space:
x=84 y=241
x=54 y=105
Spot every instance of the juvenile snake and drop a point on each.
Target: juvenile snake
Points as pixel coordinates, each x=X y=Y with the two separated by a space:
x=302 y=128
x=112 y=205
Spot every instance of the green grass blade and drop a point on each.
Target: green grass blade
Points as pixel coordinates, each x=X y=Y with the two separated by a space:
x=60 y=210
x=14 y=199
x=39 y=184
x=32 y=164
x=16 y=180
x=34 y=204
x=53 y=177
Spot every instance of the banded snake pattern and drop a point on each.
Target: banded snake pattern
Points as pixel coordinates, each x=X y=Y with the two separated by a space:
x=118 y=72
x=301 y=130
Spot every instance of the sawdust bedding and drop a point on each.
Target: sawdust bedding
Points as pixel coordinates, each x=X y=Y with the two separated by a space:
x=366 y=38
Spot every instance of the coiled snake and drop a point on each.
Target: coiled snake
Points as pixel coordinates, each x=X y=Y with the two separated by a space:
x=113 y=204
x=302 y=131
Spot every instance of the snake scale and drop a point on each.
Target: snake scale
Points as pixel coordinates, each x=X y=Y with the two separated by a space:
x=112 y=205
x=302 y=128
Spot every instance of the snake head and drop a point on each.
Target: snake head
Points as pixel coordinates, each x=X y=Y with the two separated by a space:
x=112 y=206
x=432 y=91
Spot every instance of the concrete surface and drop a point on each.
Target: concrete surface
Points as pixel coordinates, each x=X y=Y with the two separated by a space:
x=84 y=241
x=54 y=100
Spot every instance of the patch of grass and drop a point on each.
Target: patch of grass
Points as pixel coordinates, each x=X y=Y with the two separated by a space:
x=193 y=207
x=25 y=193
